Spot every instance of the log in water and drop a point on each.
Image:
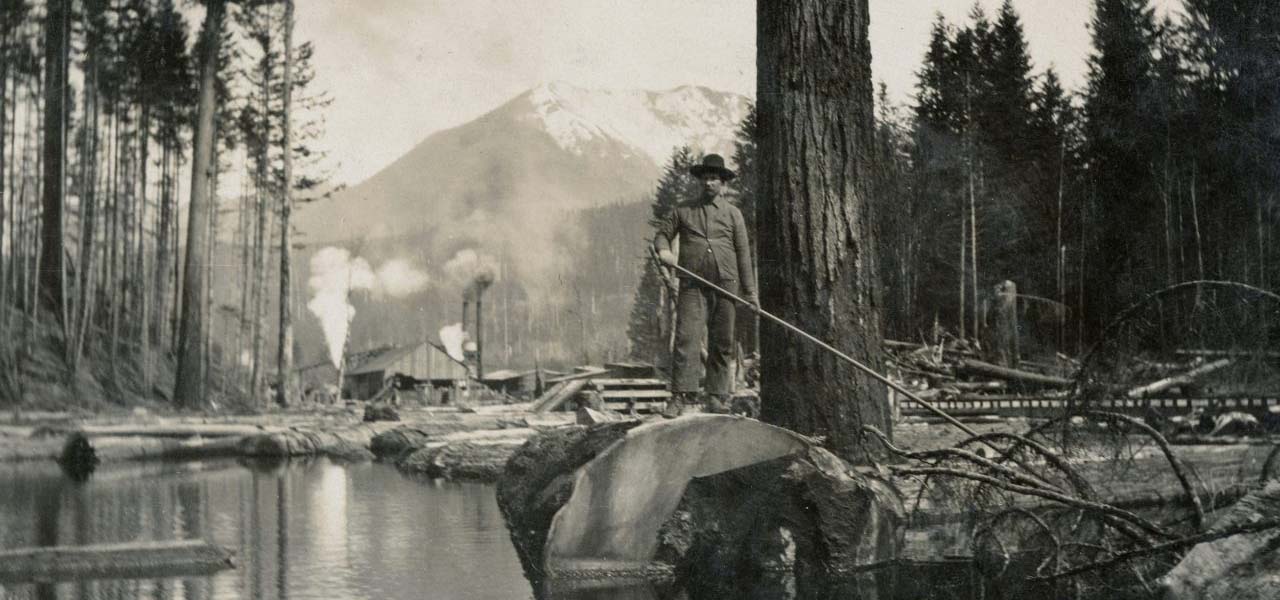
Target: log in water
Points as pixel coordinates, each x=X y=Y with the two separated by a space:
x=114 y=561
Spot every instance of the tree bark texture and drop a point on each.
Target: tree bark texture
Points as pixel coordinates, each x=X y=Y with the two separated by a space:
x=287 y=391
x=817 y=263
x=57 y=49
x=189 y=391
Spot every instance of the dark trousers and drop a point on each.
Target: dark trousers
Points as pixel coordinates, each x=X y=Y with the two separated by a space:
x=703 y=312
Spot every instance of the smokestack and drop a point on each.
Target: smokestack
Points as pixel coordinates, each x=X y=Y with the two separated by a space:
x=466 y=305
x=476 y=289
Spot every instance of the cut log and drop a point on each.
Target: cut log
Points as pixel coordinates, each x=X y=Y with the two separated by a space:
x=692 y=495
x=1024 y=378
x=976 y=386
x=144 y=448
x=175 y=431
x=1240 y=566
x=350 y=442
x=1177 y=380
x=558 y=394
x=111 y=561
x=1229 y=353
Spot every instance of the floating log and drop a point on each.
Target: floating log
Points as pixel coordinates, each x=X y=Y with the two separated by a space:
x=351 y=442
x=113 y=561
x=1025 y=378
x=1177 y=380
x=115 y=448
x=208 y=430
x=473 y=455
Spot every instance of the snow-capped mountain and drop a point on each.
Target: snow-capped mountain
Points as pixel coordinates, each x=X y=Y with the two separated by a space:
x=652 y=122
x=553 y=148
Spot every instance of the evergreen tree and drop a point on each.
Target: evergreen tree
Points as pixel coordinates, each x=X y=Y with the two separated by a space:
x=1232 y=47
x=1008 y=87
x=1120 y=154
x=649 y=327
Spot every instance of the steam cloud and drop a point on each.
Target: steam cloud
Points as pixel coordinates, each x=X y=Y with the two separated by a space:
x=469 y=265
x=335 y=273
x=452 y=336
x=399 y=279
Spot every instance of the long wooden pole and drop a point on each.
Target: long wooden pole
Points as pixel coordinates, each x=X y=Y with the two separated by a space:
x=829 y=348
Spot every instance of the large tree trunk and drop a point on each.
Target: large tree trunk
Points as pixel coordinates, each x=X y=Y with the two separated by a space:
x=57 y=49
x=817 y=258
x=287 y=392
x=144 y=298
x=189 y=391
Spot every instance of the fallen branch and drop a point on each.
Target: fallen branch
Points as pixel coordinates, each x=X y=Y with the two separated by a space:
x=1025 y=490
x=1179 y=469
x=1016 y=375
x=1078 y=482
x=1172 y=546
x=1177 y=380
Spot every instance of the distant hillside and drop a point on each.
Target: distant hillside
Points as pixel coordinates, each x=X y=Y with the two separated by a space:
x=548 y=191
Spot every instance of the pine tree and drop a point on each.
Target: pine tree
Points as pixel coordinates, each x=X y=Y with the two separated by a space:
x=650 y=325
x=1008 y=89
x=1231 y=46
x=190 y=389
x=815 y=230
x=1120 y=154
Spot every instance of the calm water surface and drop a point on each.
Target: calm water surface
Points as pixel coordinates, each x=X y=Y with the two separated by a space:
x=310 y=529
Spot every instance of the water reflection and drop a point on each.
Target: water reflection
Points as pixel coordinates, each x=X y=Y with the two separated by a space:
x=301 y=530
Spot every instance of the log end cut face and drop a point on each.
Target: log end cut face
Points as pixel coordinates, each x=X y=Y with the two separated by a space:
x=622 y=497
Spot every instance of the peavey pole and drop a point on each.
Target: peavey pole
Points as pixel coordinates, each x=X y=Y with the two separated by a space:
x=825 y=346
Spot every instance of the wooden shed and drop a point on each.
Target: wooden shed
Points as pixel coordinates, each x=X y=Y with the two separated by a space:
x=517 y=384
x=424 y=362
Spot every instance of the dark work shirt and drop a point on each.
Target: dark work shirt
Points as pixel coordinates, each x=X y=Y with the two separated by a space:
x=713 y=242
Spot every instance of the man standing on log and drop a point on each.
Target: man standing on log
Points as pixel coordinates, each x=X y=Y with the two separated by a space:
x=714 y=246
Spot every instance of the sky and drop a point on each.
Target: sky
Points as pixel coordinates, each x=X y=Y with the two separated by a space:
x=399 y=70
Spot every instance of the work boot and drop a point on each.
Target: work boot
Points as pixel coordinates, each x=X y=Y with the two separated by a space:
x=676 y=405
x=746 y=406
x=716 y=404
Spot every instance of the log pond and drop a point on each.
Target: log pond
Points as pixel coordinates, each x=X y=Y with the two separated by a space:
x=301 y=529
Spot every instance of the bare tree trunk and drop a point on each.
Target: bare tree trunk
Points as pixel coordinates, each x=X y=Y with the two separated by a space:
x=246 y=270
x=189 y=391
x=140 y=271
x=287 y=390
x=817 y=251
x=963 y=315
x=973 y=249
x=4 y=197
x=211 y=249
x=57 y=58
x=114 y=281
x=1195 y=220
x=1060 y=253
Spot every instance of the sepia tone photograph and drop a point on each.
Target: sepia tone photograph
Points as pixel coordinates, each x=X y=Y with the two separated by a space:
x=660 y=300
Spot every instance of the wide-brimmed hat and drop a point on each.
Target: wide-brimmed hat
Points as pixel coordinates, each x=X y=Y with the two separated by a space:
x=712 y=163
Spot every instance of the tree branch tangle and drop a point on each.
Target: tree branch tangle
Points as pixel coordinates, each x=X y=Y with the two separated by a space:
x=817 y=263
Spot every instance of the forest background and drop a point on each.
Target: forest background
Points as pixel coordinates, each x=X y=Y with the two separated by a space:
x=1163 y=168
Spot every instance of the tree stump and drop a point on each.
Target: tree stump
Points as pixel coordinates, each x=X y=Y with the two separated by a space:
x=718 y=503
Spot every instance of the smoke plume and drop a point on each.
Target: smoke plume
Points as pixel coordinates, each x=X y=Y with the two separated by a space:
x=468 y=266
x=397 y=278
x=452 y=336
x=334 y=275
